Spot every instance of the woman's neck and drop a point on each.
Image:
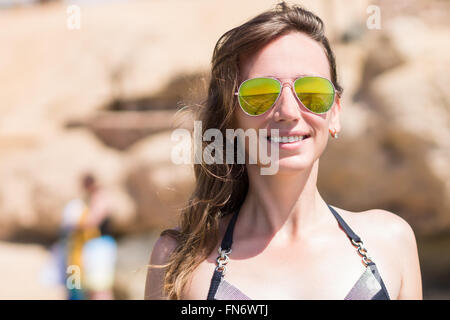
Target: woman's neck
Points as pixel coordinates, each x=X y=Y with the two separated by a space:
x=282 y=205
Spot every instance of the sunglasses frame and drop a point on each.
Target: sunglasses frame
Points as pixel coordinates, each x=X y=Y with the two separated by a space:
x=282 y=85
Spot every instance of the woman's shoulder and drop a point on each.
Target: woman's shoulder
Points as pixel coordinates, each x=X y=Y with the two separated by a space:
x=384 y=232
x=391 y=242
x=164 y=246
x=383 y=223
x=160 y=253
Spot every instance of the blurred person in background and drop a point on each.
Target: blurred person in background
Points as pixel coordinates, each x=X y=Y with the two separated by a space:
x=88 y=243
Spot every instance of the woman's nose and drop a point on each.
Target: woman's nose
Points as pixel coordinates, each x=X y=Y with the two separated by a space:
x=288 y=108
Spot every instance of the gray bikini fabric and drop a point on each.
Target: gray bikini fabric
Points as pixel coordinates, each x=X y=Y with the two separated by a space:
x=227 y=291
x=369 y=286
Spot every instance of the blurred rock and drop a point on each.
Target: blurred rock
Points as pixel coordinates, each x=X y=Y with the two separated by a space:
x=159 y=186
x=435 y=263
x=374 y=171
x=120 y=130
x=355 y=115
x=412 y=98
x=397 y=124
x=133 y=256
x=22 y=269
x=37 y=183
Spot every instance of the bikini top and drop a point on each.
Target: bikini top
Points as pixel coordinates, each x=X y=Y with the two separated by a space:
x=369 y=286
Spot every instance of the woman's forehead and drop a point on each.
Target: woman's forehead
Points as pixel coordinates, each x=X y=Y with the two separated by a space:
x=287 y=57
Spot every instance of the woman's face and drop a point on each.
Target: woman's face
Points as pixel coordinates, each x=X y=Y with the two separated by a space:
x=286 y=58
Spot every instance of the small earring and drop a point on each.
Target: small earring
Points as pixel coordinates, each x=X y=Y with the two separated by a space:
x=334 y=134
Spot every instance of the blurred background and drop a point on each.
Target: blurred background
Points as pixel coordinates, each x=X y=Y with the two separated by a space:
x=87 y=101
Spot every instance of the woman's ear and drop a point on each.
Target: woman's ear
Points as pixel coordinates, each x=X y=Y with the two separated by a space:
x=335 y=124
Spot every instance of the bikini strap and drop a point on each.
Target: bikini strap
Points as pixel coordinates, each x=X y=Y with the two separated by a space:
x=227 y=240
x=353 y=236
x=225 y=246
x=222 y=259
x=355 y=239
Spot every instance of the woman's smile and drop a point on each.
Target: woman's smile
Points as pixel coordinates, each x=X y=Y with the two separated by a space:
x=289 y=142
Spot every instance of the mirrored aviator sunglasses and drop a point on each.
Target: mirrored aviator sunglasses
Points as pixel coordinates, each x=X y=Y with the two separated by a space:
x=257 y=95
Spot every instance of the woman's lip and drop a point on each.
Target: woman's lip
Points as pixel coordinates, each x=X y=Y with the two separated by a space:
x=289 y=145
x=288 y=133
x=292 y=135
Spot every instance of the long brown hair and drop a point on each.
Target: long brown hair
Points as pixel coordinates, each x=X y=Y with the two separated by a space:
x=220 y=189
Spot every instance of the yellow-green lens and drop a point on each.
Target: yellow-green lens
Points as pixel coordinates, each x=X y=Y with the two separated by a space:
x=316 y=94
x=258 y=95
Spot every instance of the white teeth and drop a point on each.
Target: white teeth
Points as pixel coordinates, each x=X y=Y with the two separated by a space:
x=287 y=139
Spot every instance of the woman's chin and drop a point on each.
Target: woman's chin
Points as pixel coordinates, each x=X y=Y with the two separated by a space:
x=290 y=165
x=293 y=167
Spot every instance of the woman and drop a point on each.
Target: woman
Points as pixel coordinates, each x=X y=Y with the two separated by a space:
x=246 y=235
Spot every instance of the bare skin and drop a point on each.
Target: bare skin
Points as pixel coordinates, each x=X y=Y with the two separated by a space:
x=287 y=244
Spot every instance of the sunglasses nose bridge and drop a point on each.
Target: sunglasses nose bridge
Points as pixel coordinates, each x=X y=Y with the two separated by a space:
x=287 y=84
